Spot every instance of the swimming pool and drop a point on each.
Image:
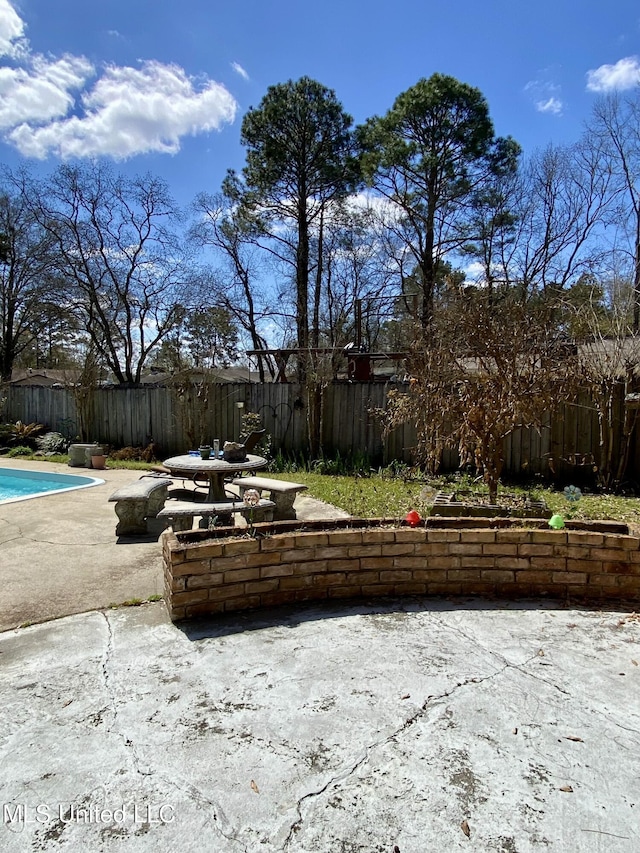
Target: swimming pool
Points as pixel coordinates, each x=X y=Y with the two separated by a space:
x=22 y=485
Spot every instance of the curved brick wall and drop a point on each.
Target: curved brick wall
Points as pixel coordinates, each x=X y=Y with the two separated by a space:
x=222 y=575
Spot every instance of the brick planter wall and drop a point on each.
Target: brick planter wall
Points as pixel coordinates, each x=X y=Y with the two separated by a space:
x=229 y=574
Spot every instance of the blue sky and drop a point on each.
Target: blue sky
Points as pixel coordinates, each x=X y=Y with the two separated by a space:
x=162 y=86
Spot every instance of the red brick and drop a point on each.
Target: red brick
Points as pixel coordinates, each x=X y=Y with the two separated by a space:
x=365 y=551
x=245 y=602
x=344 y=592
x=443 y=563
x=363 y=577
x=409 y=535
x=203 y=552
x=515 y=537
x=466 y=549
x=576 y=552
x=271 y=558
x=497 y=576
x=621 y=568
x=589 y=566
x=431 y=549
x=584 y=538
x=244 y=546
x=444 y=588
x=332 y=552
x=503 y=549
x=258 y=586
x=483 y=536
x=553 y=563
x=548 y=537
x=477 y=562
x=331 y=579
x=603 y=580
x=608 y=554
x=312 y=567
x=533 y=577
x=377 y=589
x=569 y=577
x=238 y=575
x=626 y=543
x=349 y=565
x=398 y=550
x=296 y=582
x=297 y=555
x=443 y=536
x=410 y=588
x=513 y=562
x=311 y=540
x=346 y=537
x=535 y=550
x=463 y=575
x=225 y=564
x=200 y=581
x=194 y=567
x=409 y=563
x=395 y=576
x=280 y=542
x=189 y=597
x=276 y=571
x=220 y=593
x=430 y=575
x=205 y=608
x=370 y=537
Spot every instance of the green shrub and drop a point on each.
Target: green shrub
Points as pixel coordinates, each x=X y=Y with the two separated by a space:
x=21 y=450
x=52 y=442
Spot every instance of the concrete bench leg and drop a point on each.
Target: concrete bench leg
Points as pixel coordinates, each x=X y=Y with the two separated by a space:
x=284 y=505
x=132 y=515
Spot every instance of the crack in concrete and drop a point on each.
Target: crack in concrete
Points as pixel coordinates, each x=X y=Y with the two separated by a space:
x=429 y=703
x=185 y=788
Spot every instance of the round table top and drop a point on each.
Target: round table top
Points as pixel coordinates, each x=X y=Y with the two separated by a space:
x=195 y=463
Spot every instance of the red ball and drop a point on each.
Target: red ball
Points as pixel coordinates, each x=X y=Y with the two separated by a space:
x=413 y=518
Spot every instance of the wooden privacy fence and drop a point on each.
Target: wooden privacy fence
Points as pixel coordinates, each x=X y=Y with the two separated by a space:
x=179 y=419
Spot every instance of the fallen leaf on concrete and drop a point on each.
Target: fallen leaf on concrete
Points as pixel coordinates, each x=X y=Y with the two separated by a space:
x=541 y=653
x=254 y=787
x=567 y=789
x=406 y=696
x=634 y=662
x=464 y=826
x=515 y=731
x=571 y=737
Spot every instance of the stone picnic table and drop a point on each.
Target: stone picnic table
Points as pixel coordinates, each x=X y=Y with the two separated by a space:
x=215 y=470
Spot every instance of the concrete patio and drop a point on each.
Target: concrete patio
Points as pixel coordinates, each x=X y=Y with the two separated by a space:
x=407 y=725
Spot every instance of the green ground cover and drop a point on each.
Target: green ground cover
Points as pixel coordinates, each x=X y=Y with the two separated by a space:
x=385 y=495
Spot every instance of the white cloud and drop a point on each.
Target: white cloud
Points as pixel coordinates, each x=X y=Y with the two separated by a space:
x=132 y=111
x=240 y=70
x=625 y=74
x=42 y=92
x=129 y=111
x=551 y=105
x=12 y=40
x=545 y=96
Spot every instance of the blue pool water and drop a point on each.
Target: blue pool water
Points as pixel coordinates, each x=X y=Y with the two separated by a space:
x=22 y=485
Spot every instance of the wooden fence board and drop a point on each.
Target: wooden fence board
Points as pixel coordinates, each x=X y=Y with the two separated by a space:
x=135 y=416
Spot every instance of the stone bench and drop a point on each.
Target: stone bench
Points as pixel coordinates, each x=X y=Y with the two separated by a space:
x=180 y=514
x=138 y=505
x=281 y=492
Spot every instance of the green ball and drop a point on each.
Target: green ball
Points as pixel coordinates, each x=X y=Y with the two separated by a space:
x=557 y=522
